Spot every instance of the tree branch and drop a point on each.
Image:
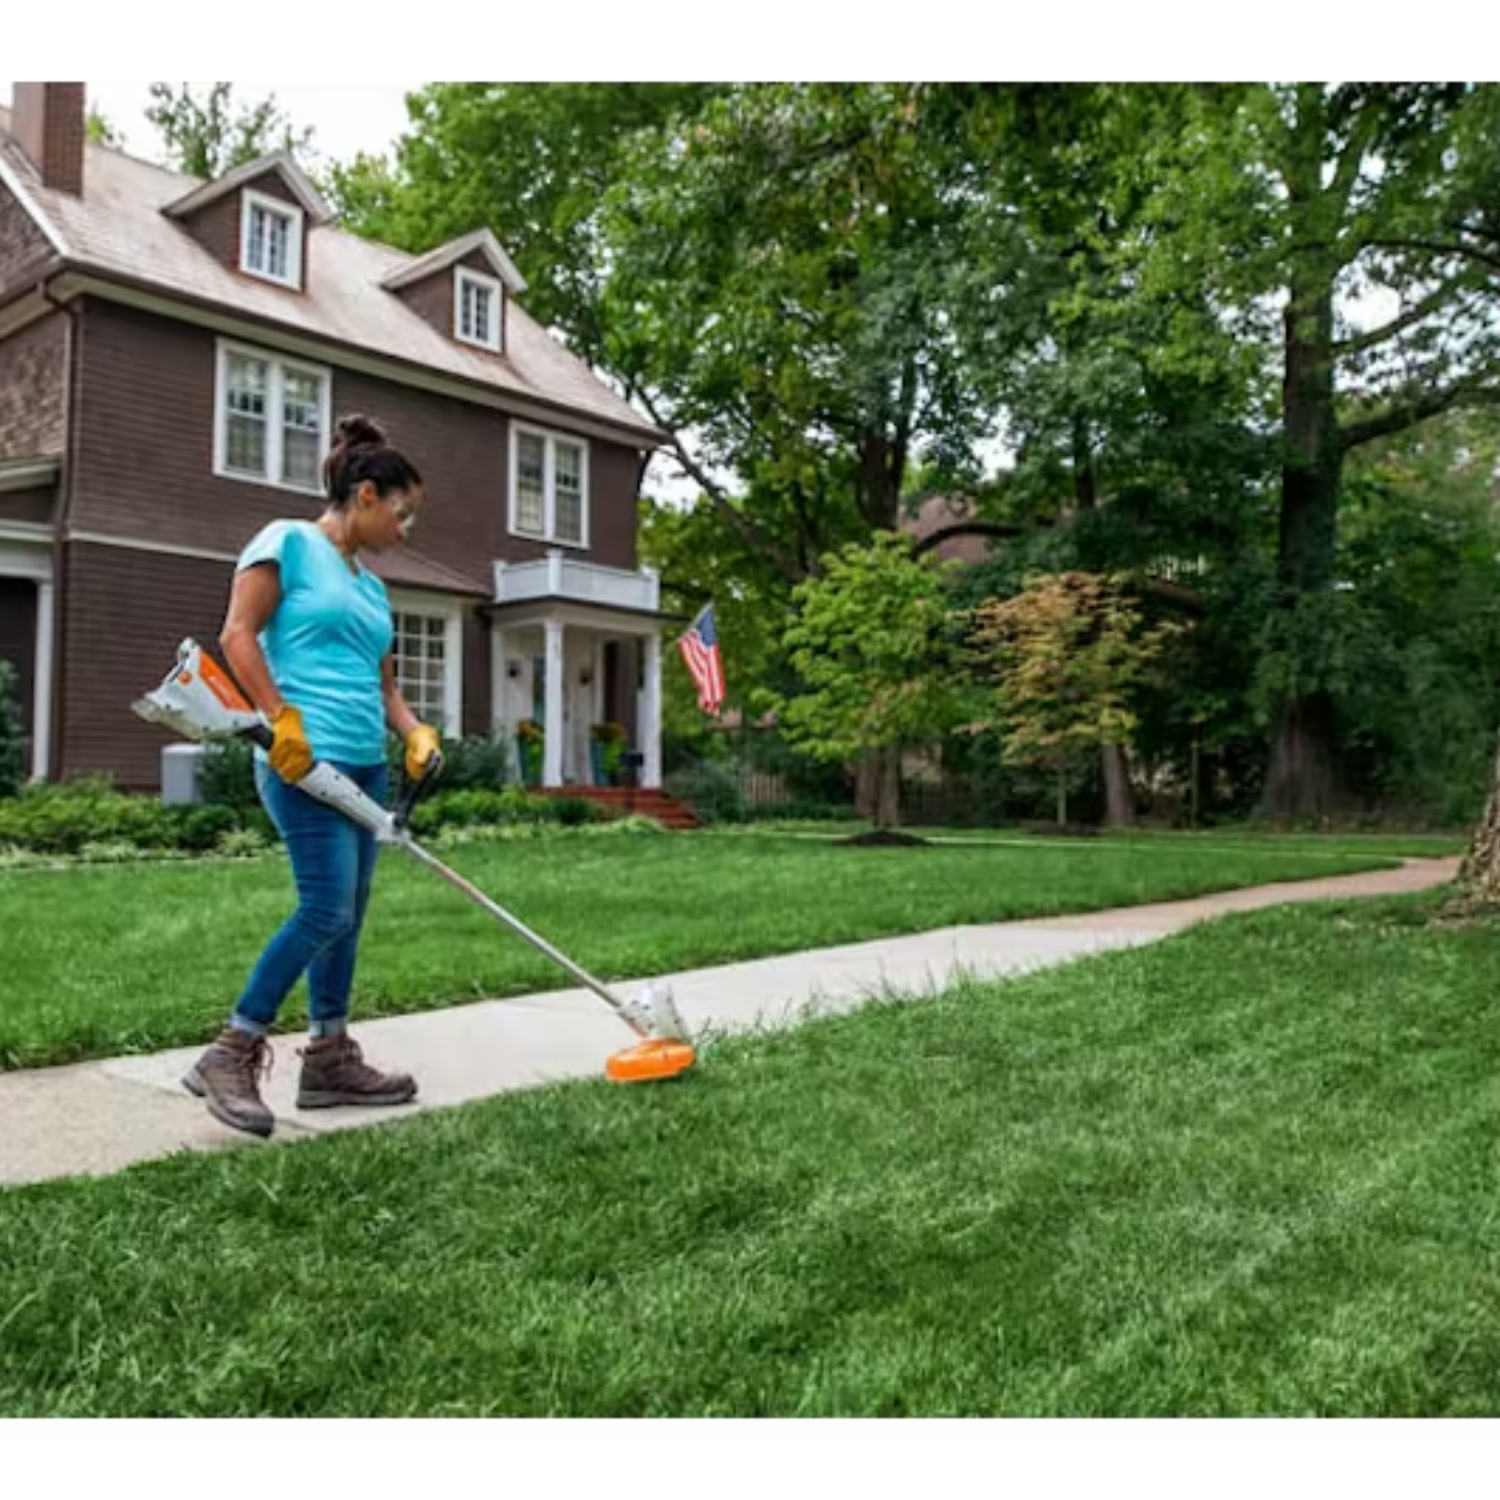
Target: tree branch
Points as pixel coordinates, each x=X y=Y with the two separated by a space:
x=1004 y=530
x=1438 y=247
x=1417 y=408
x=1178 y=594
x=1361 y=134
x=1415 y=314
x=746 y=527
x=1168 y=592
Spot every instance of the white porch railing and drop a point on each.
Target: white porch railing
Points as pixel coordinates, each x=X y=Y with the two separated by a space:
x=557 y=576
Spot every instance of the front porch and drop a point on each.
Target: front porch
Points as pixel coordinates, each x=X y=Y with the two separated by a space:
x=575 y=647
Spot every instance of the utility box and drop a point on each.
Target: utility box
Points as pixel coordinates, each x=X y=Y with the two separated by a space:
x=179 y=774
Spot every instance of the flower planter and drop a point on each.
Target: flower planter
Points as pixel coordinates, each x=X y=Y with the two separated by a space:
x=529 y=758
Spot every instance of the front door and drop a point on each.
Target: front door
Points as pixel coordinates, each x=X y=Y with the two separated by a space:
x=18 y=600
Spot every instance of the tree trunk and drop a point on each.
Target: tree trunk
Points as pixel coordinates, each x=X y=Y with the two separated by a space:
x=1480 y=870
x=1300 y=781
x=888 y=789
x=866 y=788
x=1119 y=802
x=881 y=466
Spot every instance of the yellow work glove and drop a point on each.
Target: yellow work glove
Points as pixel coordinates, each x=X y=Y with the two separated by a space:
x=423 y=749
x=290 y=754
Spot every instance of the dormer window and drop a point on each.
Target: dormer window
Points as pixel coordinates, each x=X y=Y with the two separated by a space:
x=476 y=308
x=270 y=238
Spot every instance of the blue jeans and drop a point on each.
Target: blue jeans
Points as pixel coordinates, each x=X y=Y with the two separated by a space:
x=333 y=861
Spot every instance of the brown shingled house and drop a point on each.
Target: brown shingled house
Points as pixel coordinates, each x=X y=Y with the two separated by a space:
x=172 y=356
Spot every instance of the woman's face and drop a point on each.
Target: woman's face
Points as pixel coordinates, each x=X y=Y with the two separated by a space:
x=388 y=518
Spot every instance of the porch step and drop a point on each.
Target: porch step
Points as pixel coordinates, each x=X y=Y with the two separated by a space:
x=618 y=800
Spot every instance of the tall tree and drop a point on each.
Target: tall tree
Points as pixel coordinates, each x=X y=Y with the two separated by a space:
x=791 y=285
x=1128 y=413
x=208 y=134
x=1298 y=203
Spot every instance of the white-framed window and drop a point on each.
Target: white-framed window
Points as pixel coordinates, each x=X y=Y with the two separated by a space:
x=270 y=238
x=272 y=418
x=427 y=653
x=549 y=486
x=478 y=308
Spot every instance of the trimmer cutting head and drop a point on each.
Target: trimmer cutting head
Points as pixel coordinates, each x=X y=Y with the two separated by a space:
x=665 y=1050
x=650 y=1061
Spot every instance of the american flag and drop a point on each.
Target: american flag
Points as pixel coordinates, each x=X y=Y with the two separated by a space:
x=699 y=646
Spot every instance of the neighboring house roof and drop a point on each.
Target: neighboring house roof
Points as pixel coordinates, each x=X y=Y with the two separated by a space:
x=117 y=229
x=935 y=513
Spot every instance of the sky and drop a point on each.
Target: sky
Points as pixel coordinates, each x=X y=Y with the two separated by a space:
x=345 y=117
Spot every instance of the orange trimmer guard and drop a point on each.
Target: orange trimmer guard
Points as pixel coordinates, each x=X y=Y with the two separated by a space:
x=649 y=1061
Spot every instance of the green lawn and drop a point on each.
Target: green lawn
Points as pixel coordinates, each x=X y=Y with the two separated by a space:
x=113 y=959
x=1251 y=1169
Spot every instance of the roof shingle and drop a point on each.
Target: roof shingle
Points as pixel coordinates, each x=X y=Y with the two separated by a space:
x=117 y=227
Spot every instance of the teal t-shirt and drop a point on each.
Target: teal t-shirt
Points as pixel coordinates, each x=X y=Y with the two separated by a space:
x=326 y=640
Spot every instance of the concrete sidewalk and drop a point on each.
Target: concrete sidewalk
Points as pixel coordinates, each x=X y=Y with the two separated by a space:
x=99 y=1117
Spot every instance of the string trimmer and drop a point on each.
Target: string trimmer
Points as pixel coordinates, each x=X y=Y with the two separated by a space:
x=200 y=701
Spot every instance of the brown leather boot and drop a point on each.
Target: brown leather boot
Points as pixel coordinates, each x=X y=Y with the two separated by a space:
x=227 y=1077
x=334 y=1071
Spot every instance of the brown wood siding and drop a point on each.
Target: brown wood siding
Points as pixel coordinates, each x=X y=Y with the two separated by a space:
x=145 y=455
x=144 y=468
x=612 y=504
x=463 y=453
x=33 y=506
x=432 y=301
x=123 y=614
x=476 y=674
x=24 y=249
x=34 y=390
x=18 y=603
x=144 y=464
x=217 y=226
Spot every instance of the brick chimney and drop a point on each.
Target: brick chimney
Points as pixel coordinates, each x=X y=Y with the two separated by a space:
x=49 y=122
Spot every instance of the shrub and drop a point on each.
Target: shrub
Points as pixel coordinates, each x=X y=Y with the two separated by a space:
x=711 y=790
x=476 y=807
x=226 y=776
x=573 y=812
x=475 y=762
x=242 y=843
x=68 y=817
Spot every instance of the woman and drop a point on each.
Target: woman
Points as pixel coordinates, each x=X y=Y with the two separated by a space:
x=308 y=635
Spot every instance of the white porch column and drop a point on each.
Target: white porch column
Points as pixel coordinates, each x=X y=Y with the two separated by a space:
x=498 y=669
x=552 y=760
x=41 y=678
x=651 y=770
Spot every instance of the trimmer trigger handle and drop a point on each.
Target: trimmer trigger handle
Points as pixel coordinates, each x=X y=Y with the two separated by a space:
x=414 y=791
